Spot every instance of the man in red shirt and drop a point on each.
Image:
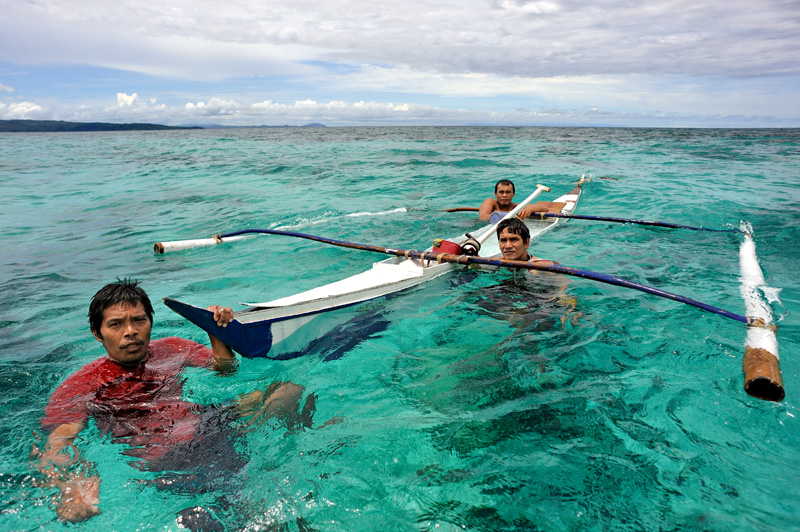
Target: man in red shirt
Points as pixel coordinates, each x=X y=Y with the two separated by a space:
x=135 y=394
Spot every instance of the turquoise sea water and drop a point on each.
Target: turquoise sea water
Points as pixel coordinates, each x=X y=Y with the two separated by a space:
x=469 y=406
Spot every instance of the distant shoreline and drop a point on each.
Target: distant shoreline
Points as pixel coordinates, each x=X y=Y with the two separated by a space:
x=58 y=126
x=41 y=126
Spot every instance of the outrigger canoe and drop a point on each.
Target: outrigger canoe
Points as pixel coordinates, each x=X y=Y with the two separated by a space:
x=284 y=327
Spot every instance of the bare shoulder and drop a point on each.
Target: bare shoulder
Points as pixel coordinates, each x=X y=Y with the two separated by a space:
x=488 y=206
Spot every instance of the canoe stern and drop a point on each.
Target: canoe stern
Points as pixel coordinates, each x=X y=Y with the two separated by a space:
x=251 y=340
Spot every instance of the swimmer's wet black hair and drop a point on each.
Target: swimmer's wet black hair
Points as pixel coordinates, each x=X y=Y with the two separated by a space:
x=126 y=290
x=505 y=182
x=515 y=226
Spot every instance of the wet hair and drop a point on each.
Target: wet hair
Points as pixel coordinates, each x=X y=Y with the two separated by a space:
x=124 y=290
x=514 y=226
x=505 y=182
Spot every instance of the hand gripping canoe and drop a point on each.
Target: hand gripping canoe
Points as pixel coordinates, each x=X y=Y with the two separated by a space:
x=251 y=340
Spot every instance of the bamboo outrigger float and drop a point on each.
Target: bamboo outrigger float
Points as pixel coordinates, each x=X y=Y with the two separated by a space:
x=761 y=364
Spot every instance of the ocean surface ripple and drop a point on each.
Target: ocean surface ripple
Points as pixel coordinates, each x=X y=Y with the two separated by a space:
x=464 y=404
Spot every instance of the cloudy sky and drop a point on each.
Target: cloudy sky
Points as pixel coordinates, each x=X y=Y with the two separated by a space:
x=699 y=63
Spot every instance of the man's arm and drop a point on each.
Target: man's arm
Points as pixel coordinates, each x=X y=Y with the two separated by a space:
x=489 y=205
x=79 y=491
x=224 y=359
x=568 y=302
x=539 y=206
x=487 y=208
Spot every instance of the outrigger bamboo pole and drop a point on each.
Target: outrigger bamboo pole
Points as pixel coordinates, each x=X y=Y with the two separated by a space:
x=181 y=245
x=761 y=364
x=651 y=223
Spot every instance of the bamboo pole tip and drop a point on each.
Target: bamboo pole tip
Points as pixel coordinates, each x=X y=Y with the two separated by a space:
x=762 y=375
x=765 y=389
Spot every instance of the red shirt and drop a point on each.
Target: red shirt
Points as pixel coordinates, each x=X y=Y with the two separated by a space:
x=141 y=406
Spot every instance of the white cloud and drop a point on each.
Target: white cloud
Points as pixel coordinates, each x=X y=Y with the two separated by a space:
x=528 y=7
x=19 y=111
x=214 y=107
x=125 y=100
x=682 y=56
x=6 y=88
x=170 y=56
x=204 y=39
x=223 y=111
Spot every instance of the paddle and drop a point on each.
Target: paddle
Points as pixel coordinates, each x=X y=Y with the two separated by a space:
x=543 y=215
x=471 y=246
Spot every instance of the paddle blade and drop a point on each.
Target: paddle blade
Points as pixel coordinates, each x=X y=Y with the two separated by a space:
x=251 y=340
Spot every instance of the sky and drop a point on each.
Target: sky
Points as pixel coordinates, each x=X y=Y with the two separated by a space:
x=632 y=63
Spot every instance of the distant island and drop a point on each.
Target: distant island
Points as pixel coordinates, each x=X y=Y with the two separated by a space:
x=40 y=126
x=35 y=126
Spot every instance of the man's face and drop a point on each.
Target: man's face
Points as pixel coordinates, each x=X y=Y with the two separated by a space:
x=512 y=246
x=125 y=332
x=504 y=195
